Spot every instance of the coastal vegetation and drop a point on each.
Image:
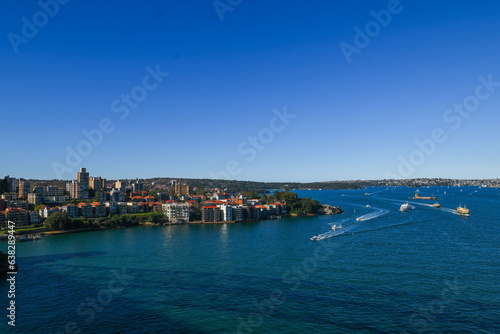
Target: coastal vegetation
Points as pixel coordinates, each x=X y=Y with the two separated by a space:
x=60 y=221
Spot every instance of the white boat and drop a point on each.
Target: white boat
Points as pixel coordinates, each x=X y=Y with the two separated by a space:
x=405 y=207
x=314 y=238
x=367 y=205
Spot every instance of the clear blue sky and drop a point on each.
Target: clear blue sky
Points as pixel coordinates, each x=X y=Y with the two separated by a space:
x=352 y=120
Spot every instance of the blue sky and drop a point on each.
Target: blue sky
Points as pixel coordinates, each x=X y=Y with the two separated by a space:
x=351 y=120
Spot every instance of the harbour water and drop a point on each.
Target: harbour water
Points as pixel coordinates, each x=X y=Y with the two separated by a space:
x=378 y=271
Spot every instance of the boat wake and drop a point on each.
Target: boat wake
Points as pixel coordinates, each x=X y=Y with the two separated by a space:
x=372 y=215
x=345 y=225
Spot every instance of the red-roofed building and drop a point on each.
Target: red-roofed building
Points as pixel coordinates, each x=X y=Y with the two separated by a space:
x=85 y=210
x=19 y=216
x=150 y=198
x=210 y=214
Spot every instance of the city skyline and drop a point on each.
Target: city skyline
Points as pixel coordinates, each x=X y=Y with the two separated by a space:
x=254 y=91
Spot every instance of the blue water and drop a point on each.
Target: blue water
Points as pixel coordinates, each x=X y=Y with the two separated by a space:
x=424 y=271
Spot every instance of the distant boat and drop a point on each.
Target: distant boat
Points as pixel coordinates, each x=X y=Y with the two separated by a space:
x=367 y=194
x=463 y=211
x=405 y=207
x=368 y=205
x=314 y=238
x=436 y=205
x=358 y=219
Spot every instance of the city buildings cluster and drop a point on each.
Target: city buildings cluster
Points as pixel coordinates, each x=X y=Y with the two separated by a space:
x=95 y=197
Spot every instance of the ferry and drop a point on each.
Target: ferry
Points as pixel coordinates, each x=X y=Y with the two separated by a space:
x=405 y=207
x=463 y=211
x=436 y=205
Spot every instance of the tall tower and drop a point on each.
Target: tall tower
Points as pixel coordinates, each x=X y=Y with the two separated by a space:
x=82 y=177
x=24 y=188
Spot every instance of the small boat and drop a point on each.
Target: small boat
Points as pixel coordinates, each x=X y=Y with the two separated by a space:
x=314 y=238
x=368 y=205
x=367 y=194
x=334 y=227
x=358 y=219
x=463 y=211
x=436 y=205
x=405 y=207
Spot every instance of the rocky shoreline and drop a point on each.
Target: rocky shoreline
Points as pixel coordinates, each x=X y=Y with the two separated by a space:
x=330 y=210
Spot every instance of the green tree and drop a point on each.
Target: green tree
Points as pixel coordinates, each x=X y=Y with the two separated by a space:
x=58 y=221
x=156 y=217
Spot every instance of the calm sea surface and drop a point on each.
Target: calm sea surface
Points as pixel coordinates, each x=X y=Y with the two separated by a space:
x=424 y=271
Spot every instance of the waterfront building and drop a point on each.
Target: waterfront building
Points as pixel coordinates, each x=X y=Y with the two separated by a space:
x=34 y=218
x=19 y=216
x=239 y=213
x=132 y=207
x=98 y=210
x=111 y=208
x=46 y=211
x=210 y=214
x=71 y=210
x=84 y=210
x=176 y=212
x=121 y=208
x=228 y=212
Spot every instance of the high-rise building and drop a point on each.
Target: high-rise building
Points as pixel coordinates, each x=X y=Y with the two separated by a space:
x=74 y=189
x=97 y=183
x=35 y=198
x=120 y=185
x=137 y=186
x=181 y=189
x=24 y=188
x=82 y=178
x=12 y=182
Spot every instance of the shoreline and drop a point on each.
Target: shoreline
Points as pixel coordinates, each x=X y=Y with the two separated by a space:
x=325 y=210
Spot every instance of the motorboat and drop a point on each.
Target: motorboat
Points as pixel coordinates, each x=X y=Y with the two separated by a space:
x=405 y=207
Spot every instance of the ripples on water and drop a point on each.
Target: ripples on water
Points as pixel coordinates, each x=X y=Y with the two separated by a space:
x=427 y=270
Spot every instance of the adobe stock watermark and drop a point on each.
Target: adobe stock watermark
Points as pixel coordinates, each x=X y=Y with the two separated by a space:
x=372 y=29
x=30 y=27
x=454 y=117
x=223 y=6
x=292 y=280
x=95 y=304
x=425 y=316
x=120 y=106
x=250 y=147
